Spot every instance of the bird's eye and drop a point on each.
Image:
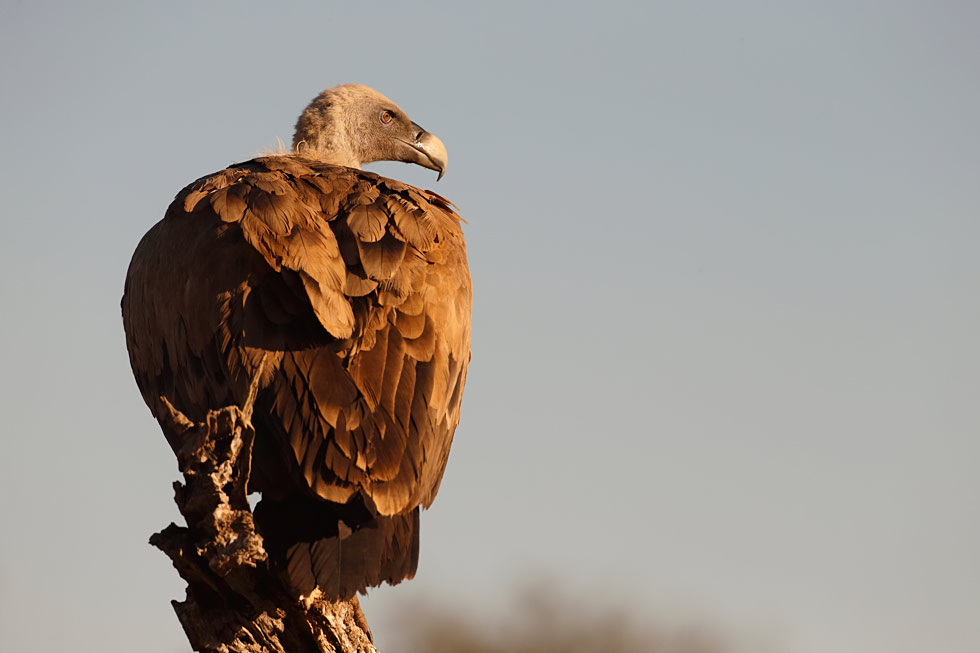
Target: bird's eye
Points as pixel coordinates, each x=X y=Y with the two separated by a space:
x=386 y=117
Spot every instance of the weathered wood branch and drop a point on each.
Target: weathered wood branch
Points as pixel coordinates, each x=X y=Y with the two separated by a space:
x=237 y=603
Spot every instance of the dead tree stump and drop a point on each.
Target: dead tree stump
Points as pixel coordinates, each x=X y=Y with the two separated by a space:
x=236 y=603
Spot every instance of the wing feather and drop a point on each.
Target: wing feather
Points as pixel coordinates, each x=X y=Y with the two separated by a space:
x=347 y=294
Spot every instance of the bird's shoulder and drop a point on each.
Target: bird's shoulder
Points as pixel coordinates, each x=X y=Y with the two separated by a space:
x=284 y=191
x=345 y=232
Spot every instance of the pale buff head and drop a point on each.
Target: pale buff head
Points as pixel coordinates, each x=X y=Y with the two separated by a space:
x=353 y=124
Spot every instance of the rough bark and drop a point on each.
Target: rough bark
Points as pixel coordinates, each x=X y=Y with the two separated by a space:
x=236 y=603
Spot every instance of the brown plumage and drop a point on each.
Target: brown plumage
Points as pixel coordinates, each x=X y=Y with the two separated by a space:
x=343 y=298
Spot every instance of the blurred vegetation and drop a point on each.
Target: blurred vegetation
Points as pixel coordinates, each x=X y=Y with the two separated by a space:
x=543 y=622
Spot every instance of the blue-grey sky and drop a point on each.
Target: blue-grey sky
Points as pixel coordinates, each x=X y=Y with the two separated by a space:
x=726 y=266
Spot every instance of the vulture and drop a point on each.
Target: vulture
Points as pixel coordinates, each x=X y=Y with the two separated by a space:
x=333 y=303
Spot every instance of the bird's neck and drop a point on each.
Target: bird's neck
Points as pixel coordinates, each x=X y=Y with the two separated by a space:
x=321 y=135
x=337 y=157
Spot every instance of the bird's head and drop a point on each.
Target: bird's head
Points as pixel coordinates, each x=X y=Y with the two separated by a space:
x=352 y=124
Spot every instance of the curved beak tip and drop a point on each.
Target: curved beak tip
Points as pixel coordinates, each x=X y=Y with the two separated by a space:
x=434 y=151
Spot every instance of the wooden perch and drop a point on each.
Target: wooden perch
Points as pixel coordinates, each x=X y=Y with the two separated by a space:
x=235 y=602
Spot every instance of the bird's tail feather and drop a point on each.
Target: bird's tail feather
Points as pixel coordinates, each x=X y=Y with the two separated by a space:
x=317 y=547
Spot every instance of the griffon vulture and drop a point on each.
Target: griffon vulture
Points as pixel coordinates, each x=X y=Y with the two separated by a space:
x=341 y=300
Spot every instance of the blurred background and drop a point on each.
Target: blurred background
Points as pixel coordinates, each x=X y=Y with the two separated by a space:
x=725 y=367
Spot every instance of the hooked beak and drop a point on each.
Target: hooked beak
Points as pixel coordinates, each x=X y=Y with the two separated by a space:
x=429 y=152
